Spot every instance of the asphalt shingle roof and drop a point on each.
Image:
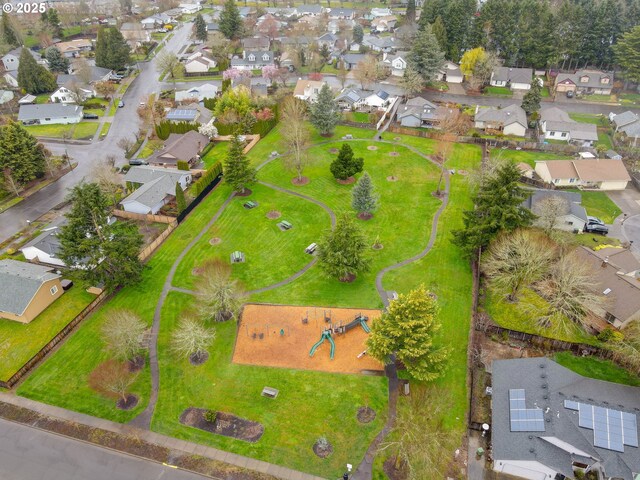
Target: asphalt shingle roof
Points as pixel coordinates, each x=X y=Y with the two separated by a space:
x=19 y=282
x=48 y=110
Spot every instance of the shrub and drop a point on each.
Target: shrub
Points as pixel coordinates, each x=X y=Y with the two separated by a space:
x=183 y=165
x=610 y=335
x=208 y=177
x=210 y=416
x=166 y=128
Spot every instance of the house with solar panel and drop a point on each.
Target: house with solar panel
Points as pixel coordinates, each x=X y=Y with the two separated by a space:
x=548 y=422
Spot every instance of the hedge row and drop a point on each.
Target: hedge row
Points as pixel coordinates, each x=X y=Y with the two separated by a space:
x=206 y=178
x=166 y=128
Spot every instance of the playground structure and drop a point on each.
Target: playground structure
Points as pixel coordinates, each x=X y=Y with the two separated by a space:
x=339 y=329
x=281 y=335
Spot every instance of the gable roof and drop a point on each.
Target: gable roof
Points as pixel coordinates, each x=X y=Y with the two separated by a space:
x=587 y=169
x=353 y=58
x=302 y=85
x=573 y=201
x=506 y=116
x=157 y=183
x=513 y=75
x=351 y=96
x=97 y=74
x=48 y=110
x=180 y=147
x=625 y=118
x=19 y=282
x=594 y=78
x=182 y=114
x=309 y=9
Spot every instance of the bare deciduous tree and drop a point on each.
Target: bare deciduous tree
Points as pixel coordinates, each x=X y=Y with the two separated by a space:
x=219 y=296
x=125 y=143
x=108 y=180
x=548 y=210
x=123 y=332
x=443 y=152
x=192 y=337
x=455 y=122
x=112 y=379
x=168 y=62
x=366 y=71
x=627 y=350
x=295 y=134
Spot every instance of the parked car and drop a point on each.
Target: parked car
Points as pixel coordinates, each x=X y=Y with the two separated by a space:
x=138 y=161
x=90 y=116
x=120 y=104
x=596 y=228
x=569 y=94
x=594 y=220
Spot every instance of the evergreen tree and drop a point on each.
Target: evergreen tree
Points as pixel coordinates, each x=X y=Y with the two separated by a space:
x=102 y=47
x=364 y=199
x=408 y=329
x=325 y=53
x=57 y=63
x=531 y=99
x=627 y=52
x=51 y=22
x=230 y=20
x=9 y=32
x=345 y=166
x=126 y=6
x=181 y=202
x=440 y=32
x=112 y=50
x=498 y=207
x=358 y=33
x=200 y=28
x=21 y=154
x=411 y=82
x=426 y=57
x=102 y=253
x=325 y=113
x=237 y=168
x=34 y=78
x=410 y=13
x=342 y=251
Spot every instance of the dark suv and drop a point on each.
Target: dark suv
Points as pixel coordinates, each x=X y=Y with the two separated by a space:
x=592 y=227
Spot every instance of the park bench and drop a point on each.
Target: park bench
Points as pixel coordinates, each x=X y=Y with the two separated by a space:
x=250 y=204
x=269 y=392
x=284 y=225
x=237 y=257
x=348 y=136
x=311 y=248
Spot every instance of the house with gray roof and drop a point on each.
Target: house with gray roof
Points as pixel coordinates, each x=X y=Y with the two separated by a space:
x=511 y=120
x=380 y=44
x=26 y=290
x=258 y=43
x=571 y=215
x=514 y=78
x=253 y=60
x=548 y=422
x=45 y=248
x=11 y=59
x=352 y=59
x=555 y=124
x=312 y=10
x=585 y=82
x=351 y=98
x=182 y=115
x=177 y=146
x=153 y=188
x=341 y=13
x=49 y=113
x=628 y=123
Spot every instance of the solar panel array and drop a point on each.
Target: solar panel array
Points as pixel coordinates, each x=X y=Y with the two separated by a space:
x=612 y=429
x=523 y=419
x=184 y=114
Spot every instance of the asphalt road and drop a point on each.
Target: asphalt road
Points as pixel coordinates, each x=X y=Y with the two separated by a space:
x=30 y=454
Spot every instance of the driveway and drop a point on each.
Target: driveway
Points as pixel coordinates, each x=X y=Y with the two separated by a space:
x=627 y=228
x=30 y=454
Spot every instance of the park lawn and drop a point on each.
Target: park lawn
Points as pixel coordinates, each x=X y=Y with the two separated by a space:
x=604 y=139
x=500 y=91
x=597 y=368
x=595 y=119
x=271 y=254
x=402 y=222
x=528 y=157
x=426 y=146
x=20 y=341
x=522 y=316
x=62 y=379
x=598 y=204
x=85 y=130
x=150 y=147
x=310 y=404
x=54 y=130
x=105 y=129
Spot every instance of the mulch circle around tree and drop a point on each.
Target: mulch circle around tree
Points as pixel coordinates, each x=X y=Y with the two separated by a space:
x=349 y=278
x=136 y=363
x=198 y=358
x=394 y=473
x=348 y=181
x=333 y=150
x=273 y=214
x=394 y=154
x=246 y=193
x=322 y=451
x=129 y=403
x=440 y=194
x=366 y=414
x=215 y=241
x=197 y=271
x=462 y=172
x=365 y=216
x=372 y=147
x=300 y=181
x=377 y=246
x=225 y=424
x=392 y=178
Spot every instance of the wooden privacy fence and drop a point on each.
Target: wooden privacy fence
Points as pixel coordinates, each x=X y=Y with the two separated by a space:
x=149 y=249
x=38 y=357
x=143 y=217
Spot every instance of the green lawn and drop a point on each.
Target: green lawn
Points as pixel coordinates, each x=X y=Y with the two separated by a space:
x=114 y=107
x=6 y=204
x=54 y=131
x=629 y=98
x=309 y=405
x=597 y=368
x=545 y=92
x=19 y=342
x=215 y=154
x=95 y=111
x=43 y=98
x=528 y=157
x=150 y=147
x=85 y=130
x=598 y=204
x=599 y=98
x=587 y=118
x=604 y=139
x=500 y=91
x=105 y=129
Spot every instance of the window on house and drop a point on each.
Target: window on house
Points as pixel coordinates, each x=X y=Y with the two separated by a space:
x=563 y=134
x=265 y=57
x=604 y=80
x=571 y=180
x=252 y=58
x=610 y=318
x=552 y=133
x=570 y=223
x=584 y=79
x=556 y=180
x=53 y=290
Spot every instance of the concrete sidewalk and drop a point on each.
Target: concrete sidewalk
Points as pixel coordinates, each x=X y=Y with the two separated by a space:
x=158 y=439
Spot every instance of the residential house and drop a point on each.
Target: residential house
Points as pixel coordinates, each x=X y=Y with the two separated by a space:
x=199 y=63
x=246 y=12
x=384 y=24
x=135 y=34
x=514 y=78
x=379 y=12
x=601 y=174
x=380 y=44
x=97 y=74
x=267 y=24
x=11 y=60
x=154 y=188
x=547 y=422
x=310 y=10
x=197 y=94
x=420 y=112
x=450 y=73
x=352 y=59
x=253 y=60
x=351 y=99
x=49 y=113
x=157 y=20
x=259 y=43
x=213 y=27
x=585 y=82
x=511 y=120
x=6 y=96
x=185 y=147
x=379 y=100
x=201 y=113
x=26 y=290
x=28 y=99
x=334 y=26
x=341 y=14
x=308 y=90
x=572 y=217
x=74 y=48
x=190 y=8
x=45 y=248
x=396 y=63
x=72 y=94
x=628 y=123
x=182 y=115
x=174 y=13
x=616 y=273
x=555 y=124
x=328 y=39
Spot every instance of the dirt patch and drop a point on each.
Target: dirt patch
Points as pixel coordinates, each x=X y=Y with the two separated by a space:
x=216 y=469
x=197 y=271
x=198 y=358
x=348 y=181
x=246 y=193
x=372 y=147
x=440 y=194
x=366 y=415
x=393 y=473
x=365 y=216
x=300 y=181
x=462 y=172
x=136 y=363
x=215 y=241
x=131 y=401
x=394 y=154
x=322 y=449
x=282 y=336
x=349 y=278
x=377 y=246
x=225 y=424
x=273 y=214
x=333 y=150
x=392 y=178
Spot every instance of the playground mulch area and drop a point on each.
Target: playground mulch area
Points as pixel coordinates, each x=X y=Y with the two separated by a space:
x=275 y=336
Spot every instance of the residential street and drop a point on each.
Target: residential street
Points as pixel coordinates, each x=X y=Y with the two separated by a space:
x=30 y=454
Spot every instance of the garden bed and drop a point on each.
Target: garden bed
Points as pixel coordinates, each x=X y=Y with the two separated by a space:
x=225 y=424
